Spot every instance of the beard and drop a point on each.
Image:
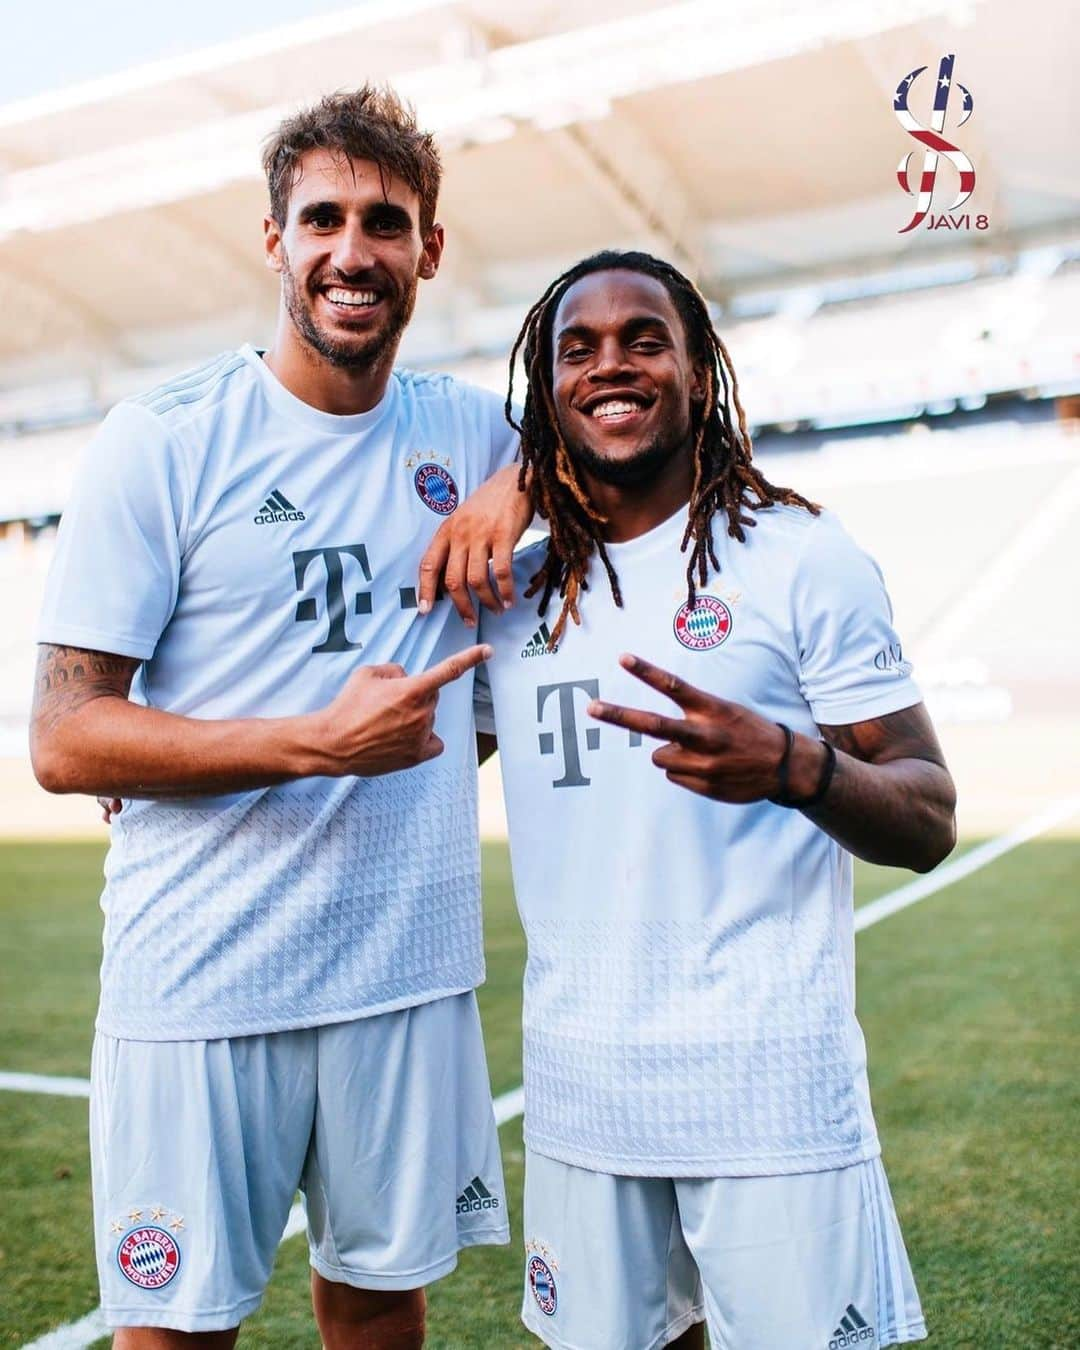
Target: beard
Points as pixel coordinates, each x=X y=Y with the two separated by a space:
x=639 y=469
x=359 y=352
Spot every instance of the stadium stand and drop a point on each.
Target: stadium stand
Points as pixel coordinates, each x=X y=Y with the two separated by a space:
x=924 y=385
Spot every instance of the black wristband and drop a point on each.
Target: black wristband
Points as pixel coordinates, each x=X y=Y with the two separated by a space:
x=783 y=796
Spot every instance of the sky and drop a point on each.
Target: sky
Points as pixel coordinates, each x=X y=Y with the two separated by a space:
x=69 y=41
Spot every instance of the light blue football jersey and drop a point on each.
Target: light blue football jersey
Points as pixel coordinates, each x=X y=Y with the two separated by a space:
x=253 y=552
x=689 y=993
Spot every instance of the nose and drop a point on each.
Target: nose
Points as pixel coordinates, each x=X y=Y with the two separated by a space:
x=352 y=251
x=610 y=361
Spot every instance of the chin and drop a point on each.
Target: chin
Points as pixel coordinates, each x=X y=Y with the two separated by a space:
x=629 y=469
x=346 y=349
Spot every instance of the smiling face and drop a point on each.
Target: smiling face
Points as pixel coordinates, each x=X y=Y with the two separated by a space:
x=623 y=378
x=350 y=255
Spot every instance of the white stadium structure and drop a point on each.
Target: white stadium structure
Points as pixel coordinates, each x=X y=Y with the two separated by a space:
x=925 y=384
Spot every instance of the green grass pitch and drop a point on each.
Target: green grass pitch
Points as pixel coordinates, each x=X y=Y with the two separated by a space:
x=967 y=1000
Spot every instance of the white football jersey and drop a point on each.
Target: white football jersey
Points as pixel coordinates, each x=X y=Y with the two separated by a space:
x=253 y=552
x=689 y=995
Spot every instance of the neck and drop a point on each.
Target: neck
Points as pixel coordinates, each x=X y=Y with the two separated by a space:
x=634 y=509
x=341 y=390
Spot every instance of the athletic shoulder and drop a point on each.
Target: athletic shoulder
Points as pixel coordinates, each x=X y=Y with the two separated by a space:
x=785 y=521
x=478 y=414
x=193 y=391
x=435 y=386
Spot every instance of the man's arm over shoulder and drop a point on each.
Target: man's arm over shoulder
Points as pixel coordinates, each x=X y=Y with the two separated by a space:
x=470 y=552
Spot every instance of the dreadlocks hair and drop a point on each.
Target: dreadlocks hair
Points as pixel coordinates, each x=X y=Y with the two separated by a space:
x=724 y=478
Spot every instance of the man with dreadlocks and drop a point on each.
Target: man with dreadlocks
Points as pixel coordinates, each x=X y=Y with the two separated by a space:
x=698 y=1125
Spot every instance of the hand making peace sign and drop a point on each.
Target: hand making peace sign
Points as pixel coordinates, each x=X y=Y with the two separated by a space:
x=718 y=749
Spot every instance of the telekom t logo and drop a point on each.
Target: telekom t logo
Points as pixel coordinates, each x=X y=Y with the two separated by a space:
x=935 y=145
x=342 y=568
x=569 y=695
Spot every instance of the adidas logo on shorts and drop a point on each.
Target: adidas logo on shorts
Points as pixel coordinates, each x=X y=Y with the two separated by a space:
x=853 y=1330
x=277 y=508
x=537 y=645
x=476 y=1197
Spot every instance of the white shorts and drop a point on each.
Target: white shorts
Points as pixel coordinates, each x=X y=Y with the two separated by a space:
x=813 y=1261
x=198 y=1149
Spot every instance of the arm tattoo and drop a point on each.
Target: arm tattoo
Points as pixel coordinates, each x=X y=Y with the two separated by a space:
x=908 y=734
x=69 y=677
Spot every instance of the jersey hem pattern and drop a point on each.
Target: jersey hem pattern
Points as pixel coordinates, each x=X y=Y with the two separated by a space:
x=326 y=1017
x=746 y=1165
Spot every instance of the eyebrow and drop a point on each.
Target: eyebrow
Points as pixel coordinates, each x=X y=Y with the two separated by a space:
x=379 y=211
x=318 y=209
x=631 y=328
x=388 y=211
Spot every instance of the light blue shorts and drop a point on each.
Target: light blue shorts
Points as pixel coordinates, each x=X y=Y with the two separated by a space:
x=198 y=1149
x=812 y=1261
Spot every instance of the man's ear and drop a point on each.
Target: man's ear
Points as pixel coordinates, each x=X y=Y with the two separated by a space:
x=432 y=252
x=699 y=383
x=275 y=252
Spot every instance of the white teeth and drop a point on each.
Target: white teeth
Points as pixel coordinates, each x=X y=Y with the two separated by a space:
x=340 y=296
x=613 y=407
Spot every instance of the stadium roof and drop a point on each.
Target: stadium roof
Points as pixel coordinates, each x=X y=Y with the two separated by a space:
x=753 y=141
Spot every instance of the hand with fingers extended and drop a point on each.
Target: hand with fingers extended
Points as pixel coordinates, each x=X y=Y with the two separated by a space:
x=717 y=748
x=384 y=720
x=476 y=543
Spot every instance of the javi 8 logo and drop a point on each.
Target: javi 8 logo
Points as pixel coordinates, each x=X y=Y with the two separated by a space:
x=935 y=148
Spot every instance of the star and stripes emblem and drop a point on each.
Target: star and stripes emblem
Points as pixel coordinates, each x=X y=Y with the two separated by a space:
x=933 y=140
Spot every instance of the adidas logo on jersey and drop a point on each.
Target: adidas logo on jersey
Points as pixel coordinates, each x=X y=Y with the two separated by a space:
x=537 y=645
x=476 y=1197
x=277 y=508
x=853 y=1330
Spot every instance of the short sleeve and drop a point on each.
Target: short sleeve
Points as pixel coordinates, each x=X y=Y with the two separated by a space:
x=113 y=581
x=483 y=707
x=851 y=662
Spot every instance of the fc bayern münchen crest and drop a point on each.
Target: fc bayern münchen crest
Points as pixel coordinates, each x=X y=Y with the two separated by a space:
x=542 y=1284
x=436 y=489
x=148 y=1257
x=705 y=626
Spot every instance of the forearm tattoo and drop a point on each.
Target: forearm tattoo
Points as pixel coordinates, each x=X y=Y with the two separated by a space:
x=908 y=734
x=69 y=677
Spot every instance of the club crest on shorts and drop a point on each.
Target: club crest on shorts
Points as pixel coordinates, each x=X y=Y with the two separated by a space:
x=149 y=1256
x=704 y=626
x=542 y=1284
x=436 y=488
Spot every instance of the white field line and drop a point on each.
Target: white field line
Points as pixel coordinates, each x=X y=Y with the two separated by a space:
x=40 y=1082
x=507 y=1107
x=971 y=861
x=74 y=1336
x=79 y=1335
